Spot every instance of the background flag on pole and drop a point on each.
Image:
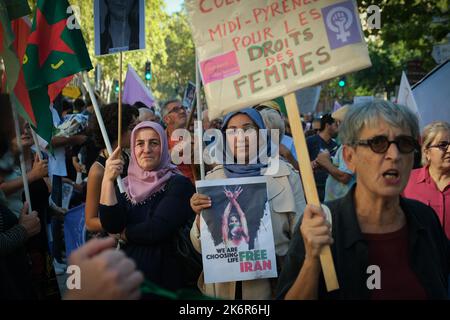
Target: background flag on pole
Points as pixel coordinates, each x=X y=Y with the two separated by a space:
x=135 y=90
x=14 y=35
x=10 y=12
x=406 y=97
x=56 y=51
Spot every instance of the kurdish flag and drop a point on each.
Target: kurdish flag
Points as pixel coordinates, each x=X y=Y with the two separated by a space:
x=14 y=35
x=56 y=51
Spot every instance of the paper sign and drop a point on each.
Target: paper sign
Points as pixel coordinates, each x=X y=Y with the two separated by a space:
x=256 y=50
x=236 y=232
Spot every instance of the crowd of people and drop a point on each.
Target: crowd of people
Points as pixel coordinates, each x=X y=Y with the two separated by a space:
x=384 y=212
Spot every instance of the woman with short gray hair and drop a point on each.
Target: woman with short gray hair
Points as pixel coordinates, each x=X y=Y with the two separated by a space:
x=384 y=246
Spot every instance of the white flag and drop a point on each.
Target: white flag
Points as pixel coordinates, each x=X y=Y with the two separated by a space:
x=406 y=97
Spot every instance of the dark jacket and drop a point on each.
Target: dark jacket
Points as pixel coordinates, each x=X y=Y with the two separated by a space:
x=15 y=272
x=151 y=228
x=428 y=246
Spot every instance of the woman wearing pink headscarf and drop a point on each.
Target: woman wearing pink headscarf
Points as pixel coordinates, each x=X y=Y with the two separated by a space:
x=154 y=207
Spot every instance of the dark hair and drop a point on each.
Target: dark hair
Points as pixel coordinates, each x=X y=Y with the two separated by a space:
x=139 y=104
x=97 y=97
x=110 y=118
x=326 y=119
x=6 y=124
x=79 y=105
x=67 y=105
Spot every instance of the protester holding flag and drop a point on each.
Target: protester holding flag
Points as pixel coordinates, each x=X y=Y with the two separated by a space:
x=15 y=275
x=110 y=118
x=13 y=182
x=286 y=199
x=153 y=209
x=431 y=184
x=384 y=246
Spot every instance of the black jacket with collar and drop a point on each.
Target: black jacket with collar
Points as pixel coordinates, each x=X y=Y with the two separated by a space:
x=428 y=246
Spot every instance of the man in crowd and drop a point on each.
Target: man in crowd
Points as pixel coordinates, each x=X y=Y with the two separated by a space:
x=340 y=178
x=322 y=142
x=175 y=117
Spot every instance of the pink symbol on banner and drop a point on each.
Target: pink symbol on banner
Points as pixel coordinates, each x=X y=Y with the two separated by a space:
x=219 y=67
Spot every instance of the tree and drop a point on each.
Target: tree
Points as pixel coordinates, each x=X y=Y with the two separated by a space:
x=408 y=31
x=180 y=65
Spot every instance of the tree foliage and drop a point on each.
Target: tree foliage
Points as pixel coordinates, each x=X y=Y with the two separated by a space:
x=409 y=29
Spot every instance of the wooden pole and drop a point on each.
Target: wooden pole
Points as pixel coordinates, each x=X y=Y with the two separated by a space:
x=188 y=124
x=198 y=84
x=309 y=184
x=119 y=134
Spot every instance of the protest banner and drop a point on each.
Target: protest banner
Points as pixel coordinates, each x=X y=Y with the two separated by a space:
x=236 y=232
x=254 y=51
x=189 y=95
x=119 y=26
x=309 y=98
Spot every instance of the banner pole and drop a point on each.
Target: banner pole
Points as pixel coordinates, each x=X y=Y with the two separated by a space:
x=23 y=167
x=119 y=136
x=36 y=143
x=101 y=124
x=309 y=184
x=200 y=118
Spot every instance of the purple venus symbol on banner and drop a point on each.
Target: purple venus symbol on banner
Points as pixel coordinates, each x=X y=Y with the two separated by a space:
x=341 y=24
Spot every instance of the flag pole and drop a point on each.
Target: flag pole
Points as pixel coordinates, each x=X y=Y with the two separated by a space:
x=23 y=168
x=36 y=143
x=101 y=124
x=119 y=135
x=199 y=119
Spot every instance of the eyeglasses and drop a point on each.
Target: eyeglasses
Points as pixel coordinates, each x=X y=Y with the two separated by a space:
x=177 y=109
x=380 y=144
x=246 y=129
x=443 y=146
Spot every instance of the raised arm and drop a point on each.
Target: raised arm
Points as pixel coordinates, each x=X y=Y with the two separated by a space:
x=113 y=168
x=299 y=279
x=243 y=219
x=225 y=216
x=94 y=186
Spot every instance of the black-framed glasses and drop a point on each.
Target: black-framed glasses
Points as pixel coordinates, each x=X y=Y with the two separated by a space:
x=380 y=144
x=443 y=146
x=177 y=109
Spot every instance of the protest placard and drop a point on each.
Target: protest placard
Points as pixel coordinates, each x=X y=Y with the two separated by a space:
x=189 y=95
x=119 y=26
x=236 y=232
x=254 y=51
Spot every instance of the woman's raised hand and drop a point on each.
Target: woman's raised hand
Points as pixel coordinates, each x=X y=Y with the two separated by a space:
x=316 y=231
x=114 y=165
x=199 y=202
